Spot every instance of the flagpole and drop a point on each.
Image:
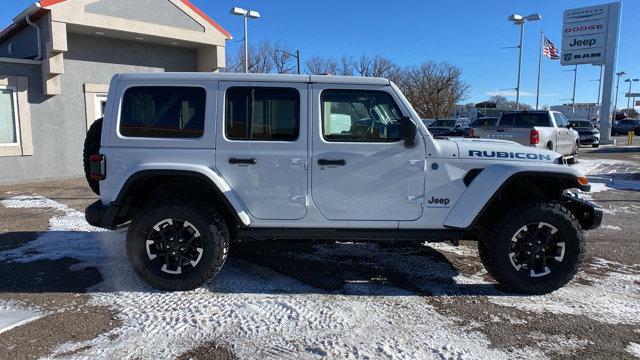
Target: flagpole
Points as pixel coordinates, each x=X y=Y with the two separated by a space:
x=539 y=68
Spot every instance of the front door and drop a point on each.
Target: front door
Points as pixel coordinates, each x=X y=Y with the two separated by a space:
x=261 y=149
x=361 y=170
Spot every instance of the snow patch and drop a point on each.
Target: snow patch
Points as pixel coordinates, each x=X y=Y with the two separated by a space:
x=610 y=227
x=12 y=316
x=634 y=349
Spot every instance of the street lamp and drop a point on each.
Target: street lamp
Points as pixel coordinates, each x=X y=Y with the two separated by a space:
x=520 y=20
x=615 y=107
x=247 y=14
x=630 y=81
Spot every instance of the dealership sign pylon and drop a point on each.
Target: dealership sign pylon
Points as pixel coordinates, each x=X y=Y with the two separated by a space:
x=590 y=36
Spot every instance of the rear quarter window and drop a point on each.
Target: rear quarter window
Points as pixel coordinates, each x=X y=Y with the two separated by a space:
x=163 y=112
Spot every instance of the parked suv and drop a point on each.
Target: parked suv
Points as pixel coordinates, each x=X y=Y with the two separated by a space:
x=543 y=129
x=589 y=134
x=624 y=126
x=191 y=162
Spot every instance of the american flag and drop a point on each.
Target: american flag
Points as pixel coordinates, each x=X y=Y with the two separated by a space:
x=549 y=50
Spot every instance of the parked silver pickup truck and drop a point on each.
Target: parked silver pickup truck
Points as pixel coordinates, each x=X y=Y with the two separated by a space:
x=542 y=129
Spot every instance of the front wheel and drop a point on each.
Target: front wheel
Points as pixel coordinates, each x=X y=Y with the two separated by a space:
x=537 y=250
x=177 y=244
x=574 y=158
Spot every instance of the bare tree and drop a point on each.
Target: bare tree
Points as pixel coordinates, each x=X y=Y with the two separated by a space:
x=259 y=59
x=433 y=88
x=321 y=66
x=345 y=67
x=282 y=59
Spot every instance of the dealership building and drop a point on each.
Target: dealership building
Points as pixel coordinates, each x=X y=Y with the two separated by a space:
x=58 y=56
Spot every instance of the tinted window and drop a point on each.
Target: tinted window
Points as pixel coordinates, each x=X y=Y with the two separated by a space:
x=485 y=122
x=261 y=113
x=445 y=123
x=163 y=112
x=360 y=115
x=524 y=119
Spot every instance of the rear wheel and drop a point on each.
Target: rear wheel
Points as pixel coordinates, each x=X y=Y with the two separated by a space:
x=535 y=251
x=176 y=244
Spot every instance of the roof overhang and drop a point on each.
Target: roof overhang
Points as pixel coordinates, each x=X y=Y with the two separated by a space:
x=39 y=9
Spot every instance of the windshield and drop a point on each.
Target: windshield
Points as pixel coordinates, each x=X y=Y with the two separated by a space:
x=524 y=119
x=580 y=124
x=444 y=123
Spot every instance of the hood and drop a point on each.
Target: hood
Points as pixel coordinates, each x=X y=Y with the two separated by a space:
x=489 y=149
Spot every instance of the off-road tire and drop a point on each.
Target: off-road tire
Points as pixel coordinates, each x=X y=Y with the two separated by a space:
x=494 y=248
x=214 y=235
x=595 y=145
x=92 y=147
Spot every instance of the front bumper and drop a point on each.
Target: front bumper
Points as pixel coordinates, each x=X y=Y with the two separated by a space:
x=589 y=140
x=102 y=216
x=588 y=213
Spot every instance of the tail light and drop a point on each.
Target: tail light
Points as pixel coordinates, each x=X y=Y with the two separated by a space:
x=98 y=169
x=534 y=137
x=472 y=132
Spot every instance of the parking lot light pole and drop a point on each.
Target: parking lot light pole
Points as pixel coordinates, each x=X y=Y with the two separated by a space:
x=247 y=14
x=615 y=106
x=630 y=81
x=520 y=20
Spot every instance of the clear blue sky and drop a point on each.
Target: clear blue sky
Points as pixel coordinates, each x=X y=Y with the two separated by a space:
x=466 y=33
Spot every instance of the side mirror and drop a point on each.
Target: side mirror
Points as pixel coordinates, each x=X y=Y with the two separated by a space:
x=569 y=126
x=408 y=131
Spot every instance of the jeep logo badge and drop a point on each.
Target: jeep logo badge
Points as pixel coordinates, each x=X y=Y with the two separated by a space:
x=567 y=57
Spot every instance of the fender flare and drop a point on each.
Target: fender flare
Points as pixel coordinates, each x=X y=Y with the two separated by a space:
x=216 y=181
x=487 y=184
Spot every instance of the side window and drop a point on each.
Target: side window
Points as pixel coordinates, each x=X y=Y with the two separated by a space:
x=360 y=116
x=561 y=121
x=9 y=129
x=163 y=112
x=262 y=113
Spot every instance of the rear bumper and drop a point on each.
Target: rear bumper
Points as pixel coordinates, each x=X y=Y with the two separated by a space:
x=588 y=213
x=102 y=216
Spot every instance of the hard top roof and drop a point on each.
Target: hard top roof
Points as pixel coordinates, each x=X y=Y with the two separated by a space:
x=168 y=76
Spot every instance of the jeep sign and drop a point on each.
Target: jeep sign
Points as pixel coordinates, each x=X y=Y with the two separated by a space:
x=583 y=42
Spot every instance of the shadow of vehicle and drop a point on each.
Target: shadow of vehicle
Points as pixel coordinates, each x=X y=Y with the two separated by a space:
x=268 y=267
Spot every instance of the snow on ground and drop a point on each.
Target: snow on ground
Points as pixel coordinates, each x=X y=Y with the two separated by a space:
x=634 y=349
x=255 y=311
x=260 y=313
x=607 y=174
x=610 y=227
x=12 y=316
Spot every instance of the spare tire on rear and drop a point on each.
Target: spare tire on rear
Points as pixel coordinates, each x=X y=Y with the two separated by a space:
x=92 y=147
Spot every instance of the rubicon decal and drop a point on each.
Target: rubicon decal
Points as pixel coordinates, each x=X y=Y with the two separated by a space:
x=509 y=155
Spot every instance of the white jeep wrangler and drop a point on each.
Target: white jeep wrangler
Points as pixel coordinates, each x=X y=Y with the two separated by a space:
x=189 y=162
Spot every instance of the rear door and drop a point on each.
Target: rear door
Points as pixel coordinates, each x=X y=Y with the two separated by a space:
x=262 y=148
x=361 y=170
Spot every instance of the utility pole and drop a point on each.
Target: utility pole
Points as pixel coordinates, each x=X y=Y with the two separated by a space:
x=573 y=98
x=539 y=69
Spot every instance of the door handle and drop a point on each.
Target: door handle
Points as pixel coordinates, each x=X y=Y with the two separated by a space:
x=327 y=162
x=236 y=161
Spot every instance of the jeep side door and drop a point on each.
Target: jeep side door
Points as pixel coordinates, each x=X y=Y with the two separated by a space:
x=360 y=168
x=261 y=146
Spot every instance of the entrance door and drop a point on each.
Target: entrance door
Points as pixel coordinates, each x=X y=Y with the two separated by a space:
x=361 y=170
x=261 y=149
